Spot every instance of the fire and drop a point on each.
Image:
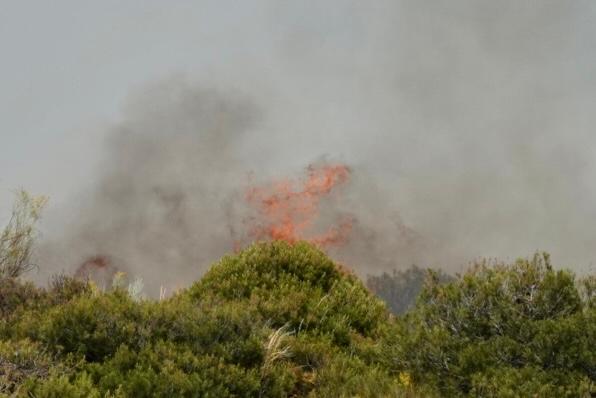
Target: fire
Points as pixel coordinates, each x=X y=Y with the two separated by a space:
x=288 y=209
x=98 y=268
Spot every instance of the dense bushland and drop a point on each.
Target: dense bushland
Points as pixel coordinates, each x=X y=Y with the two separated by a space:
x=500 y=330
x=284 y=320
x=281 y=320
x=274 y=320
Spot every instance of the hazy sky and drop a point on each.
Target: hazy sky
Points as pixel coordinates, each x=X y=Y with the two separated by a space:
x=67 y=67
x=476 y=118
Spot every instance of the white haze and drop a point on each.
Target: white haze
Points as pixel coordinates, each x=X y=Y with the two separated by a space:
x=468 y=124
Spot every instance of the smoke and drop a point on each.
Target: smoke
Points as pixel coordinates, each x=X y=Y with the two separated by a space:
x=161 y=207
x=172 y=197
x=467 y=125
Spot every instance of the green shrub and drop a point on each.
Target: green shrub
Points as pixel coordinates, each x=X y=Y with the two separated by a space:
x=165 y=369
x=63 y=386
x=92 y=325
x=275 y=320
x=20 y=360
x=282 y=320
x=499 y=320
x=296 y=285
x=16 y=295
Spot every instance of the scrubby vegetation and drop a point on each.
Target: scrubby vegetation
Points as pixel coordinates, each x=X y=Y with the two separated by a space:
x=275 y=320
x=280 y=320
x=500 y=330
x=284 y=320
x=16 y=240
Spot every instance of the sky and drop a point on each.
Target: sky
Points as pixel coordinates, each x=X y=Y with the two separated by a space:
x=474 y=120
x=67 y=68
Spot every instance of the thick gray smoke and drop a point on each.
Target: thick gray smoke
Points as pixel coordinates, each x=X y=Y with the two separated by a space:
x=163 y=206
x=468 y=125
x=170 y=197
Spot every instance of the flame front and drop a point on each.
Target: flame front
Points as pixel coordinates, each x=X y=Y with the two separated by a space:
x=288 y=209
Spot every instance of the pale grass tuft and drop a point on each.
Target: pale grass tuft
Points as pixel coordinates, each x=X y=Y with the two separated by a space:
x=16 y=240
x=135 y=289
x=275 y=350
x=162 y=293
x=119 y=280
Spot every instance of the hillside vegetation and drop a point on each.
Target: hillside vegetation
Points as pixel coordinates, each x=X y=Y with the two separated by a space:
x=282 y=320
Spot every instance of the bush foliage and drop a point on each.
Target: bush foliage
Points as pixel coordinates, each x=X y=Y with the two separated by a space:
x=274 y=320
x=16 y=240
x=501 y=331
x=280 y=320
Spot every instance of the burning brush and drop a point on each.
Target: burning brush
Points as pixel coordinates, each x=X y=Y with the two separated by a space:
x=288 y=209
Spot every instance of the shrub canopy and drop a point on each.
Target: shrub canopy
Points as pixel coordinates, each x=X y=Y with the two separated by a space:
x=279 y=320
x=273 y=320
x=501 y=330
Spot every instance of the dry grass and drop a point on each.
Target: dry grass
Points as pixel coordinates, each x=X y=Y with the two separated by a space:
x=16 y=240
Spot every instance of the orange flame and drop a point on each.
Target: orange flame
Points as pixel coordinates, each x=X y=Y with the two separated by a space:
x=288 y=210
